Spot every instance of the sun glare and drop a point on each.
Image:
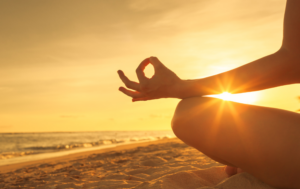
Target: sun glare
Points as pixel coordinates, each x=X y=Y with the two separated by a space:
x=246 y=98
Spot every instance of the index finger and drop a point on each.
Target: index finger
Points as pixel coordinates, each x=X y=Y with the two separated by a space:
x=140 y=70
x=155 y=62
x=130 y=84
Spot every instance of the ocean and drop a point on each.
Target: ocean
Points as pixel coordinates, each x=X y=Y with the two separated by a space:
x=22 y=147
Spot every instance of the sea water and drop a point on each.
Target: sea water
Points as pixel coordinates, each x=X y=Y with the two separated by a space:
x=20 y=147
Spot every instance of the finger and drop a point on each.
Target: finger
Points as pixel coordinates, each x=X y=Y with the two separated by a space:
x=140 y=70
x=133 y=94
x=129 y=84
x=140 y=99
x=155 y=62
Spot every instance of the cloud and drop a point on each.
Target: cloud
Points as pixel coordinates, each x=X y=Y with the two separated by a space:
x=35 y=32
x=62 y=56
x=69 y=116
x=145 y=5
x=55 y=32
x=155 y=116
x=160 y=116
x=195 y=15
x=6 y=126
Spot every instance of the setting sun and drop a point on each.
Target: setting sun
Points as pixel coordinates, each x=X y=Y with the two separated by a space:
x=246 y=98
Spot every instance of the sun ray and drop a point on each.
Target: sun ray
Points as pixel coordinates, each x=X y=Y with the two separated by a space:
x=246 y=98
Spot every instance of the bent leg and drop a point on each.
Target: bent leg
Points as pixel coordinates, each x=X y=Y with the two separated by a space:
x=262 y=141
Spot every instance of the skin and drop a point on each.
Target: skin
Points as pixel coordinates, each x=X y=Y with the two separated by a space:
x=259 y=140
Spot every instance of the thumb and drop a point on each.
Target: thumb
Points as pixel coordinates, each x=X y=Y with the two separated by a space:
x=155 y=62
x=140 y=99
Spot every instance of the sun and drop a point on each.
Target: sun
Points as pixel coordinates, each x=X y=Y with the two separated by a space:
x=246 y=98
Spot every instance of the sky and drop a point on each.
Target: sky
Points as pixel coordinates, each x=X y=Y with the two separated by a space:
x=59 y=58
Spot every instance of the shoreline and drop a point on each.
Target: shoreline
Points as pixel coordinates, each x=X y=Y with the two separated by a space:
x=73 y=154
x=160 y=164
x=47 y=155
x=26 y=144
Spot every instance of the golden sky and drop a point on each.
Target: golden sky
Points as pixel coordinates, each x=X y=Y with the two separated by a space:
x=59 y=59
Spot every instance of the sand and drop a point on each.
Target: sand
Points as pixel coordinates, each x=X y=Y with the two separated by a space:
x=163 y=164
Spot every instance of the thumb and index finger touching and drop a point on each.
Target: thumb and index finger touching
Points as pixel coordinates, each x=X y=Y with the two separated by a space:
x=136 y=95
x=140 y=69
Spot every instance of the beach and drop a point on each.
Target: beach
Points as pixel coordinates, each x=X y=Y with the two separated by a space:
x=161 y=164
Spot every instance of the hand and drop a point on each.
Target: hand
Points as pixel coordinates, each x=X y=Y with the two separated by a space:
x=163 y=84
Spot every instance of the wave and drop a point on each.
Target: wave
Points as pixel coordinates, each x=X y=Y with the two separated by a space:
x=43 y=149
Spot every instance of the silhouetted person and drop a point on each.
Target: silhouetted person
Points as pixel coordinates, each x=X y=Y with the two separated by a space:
x=262 y=141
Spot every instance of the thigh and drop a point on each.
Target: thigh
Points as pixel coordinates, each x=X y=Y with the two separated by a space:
x=262 y=141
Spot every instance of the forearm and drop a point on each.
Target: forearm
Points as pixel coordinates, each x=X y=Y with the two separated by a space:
x=280 y=68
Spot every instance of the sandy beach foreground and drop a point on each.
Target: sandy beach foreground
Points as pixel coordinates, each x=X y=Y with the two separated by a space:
x=162 y=164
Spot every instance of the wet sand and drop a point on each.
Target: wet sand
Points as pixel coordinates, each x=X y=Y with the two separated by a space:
x=162 y=164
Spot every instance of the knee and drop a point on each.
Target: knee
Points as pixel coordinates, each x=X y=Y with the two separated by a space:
x=192 y=112
x=179 y=117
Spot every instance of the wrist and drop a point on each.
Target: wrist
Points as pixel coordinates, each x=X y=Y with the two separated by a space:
x=186 y=89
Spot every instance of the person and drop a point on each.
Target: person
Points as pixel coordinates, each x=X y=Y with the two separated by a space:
x=261 y=141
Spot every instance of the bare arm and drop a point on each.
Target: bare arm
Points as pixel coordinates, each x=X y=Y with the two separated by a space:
x=291 y=37
x=280 y=68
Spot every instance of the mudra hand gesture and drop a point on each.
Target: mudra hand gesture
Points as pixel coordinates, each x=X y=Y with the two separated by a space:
x=163 y=84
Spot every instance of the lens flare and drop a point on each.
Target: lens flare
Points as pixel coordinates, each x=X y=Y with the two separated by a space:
x=246 y=98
